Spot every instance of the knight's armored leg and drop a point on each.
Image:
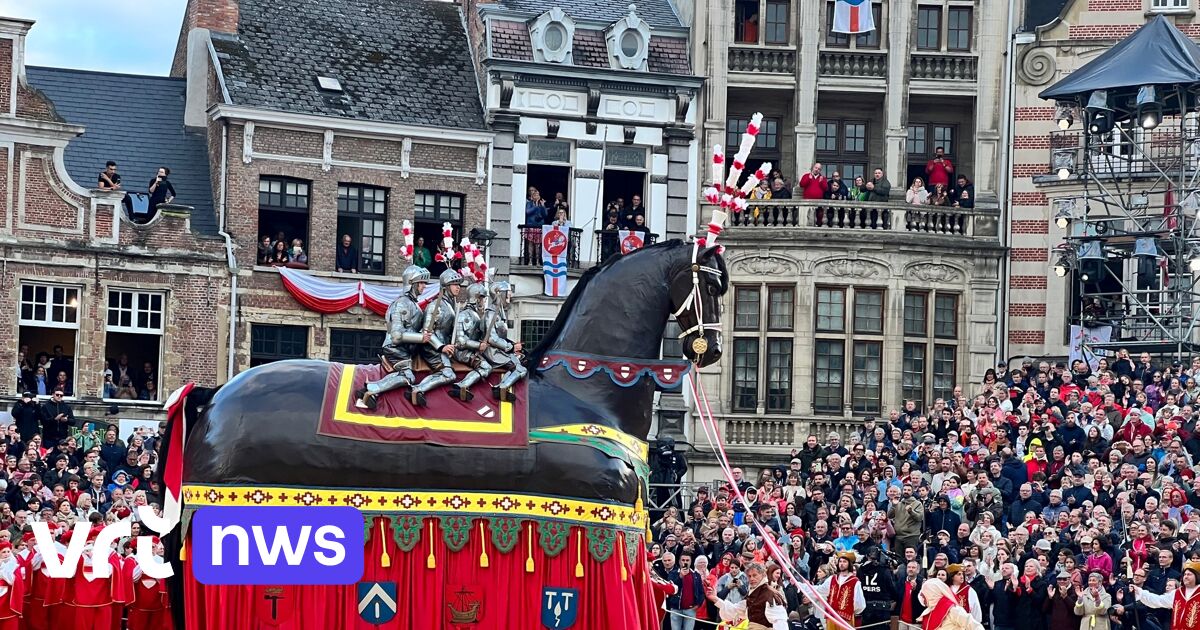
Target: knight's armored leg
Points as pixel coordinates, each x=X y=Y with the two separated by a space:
x=462 y=389
x=515 y=372
x=401 y=376
x=440 y=374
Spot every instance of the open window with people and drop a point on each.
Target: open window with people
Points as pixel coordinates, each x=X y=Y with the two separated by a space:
x=283 y=222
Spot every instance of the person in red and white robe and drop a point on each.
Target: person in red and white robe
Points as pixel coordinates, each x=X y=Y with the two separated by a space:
x=44 y=609
x=942 y=611
x=964 y=595
x=92 y=598
x=12 y=589
x=151 y=607
x=843 y=592
x=1184 y=602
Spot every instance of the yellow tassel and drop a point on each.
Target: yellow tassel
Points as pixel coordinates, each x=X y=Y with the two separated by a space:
x=385 y=560
x=624 y=570
x=183 y=549
x=430 y=562
x=483 y=559
x=529 y=551
x=578 y=554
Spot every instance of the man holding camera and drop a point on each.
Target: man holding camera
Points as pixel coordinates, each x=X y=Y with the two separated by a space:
x=161 y=190
x=878 y=589
x=939 y=170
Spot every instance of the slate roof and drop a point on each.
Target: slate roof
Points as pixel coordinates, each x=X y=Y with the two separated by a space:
x=656 y=13
x=401 y=61
x=510 y=40
x=136 y=121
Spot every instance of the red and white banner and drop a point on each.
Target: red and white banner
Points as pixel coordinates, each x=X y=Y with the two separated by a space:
x=853 y=17
x=329 y=296
x=555 y=241
x=631 y=240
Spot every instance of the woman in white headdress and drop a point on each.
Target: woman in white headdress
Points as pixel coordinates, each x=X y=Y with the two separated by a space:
x=942 y=611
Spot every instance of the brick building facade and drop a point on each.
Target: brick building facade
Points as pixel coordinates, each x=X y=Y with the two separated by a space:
x=319 y=138
x=1055 y=38
x=76 y=271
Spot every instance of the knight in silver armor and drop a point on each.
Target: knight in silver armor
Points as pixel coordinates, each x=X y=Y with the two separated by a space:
x=471 y=341
x=438 y=351
x=405 y=332
x=502 y=352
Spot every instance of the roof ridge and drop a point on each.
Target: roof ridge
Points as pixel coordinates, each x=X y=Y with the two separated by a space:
x=109 y=73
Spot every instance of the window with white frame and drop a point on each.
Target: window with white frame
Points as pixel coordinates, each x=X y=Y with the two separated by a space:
x=135 y=322
x=48 y=332
x=1170 y=5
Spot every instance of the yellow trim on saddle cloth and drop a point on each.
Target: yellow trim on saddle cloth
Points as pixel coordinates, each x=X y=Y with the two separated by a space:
x=420 y=502
x=639 y=449
x=344 y=411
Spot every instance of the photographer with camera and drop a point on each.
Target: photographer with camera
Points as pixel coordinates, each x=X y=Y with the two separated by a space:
x=161 y=190
x=908 y=519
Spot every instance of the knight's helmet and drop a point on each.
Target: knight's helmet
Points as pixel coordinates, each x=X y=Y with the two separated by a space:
x=414 y=274
x=501 y=294
x=476 y=294
x=449 y=278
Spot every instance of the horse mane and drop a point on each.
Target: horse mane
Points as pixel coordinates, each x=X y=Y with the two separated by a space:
x=534 y=358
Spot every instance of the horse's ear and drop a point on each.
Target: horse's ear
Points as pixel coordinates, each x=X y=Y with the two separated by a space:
x=708 y=253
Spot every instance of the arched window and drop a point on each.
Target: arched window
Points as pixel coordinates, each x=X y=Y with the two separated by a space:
x=628 y=42
x=553 y=35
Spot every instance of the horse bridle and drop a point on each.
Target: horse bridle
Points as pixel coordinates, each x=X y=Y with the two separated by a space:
x=695 y=304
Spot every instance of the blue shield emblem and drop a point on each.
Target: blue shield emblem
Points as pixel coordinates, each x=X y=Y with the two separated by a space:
x=376 y=601
x=560 y=607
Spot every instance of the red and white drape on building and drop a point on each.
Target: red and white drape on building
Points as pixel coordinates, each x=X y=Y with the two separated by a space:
x=330 y=296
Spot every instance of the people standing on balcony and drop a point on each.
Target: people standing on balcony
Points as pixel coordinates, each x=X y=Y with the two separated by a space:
x=917 y=194
x=779 y=190
x=560 y=218
x=347 y=256
x=161 y=190
x=964 y=193
x=879 y=188
x=858 y=192
x=635 y=208
x=939 y=170
x=109 y=178
x=536 y=215
x=761 y=192
x=940 y=195
x=814 y=184
x=279 y=255
x=560 y=203
x=296 y=253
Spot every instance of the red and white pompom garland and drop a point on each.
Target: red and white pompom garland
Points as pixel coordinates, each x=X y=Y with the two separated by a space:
x=407 y=231
x=447 y=245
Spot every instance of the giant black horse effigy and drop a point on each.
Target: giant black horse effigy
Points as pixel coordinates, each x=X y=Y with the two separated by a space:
x=478 y=528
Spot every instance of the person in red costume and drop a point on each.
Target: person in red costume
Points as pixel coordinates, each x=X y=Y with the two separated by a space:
x=1184 y=602
x=942 y=611
x=45 y=609
x=843 y=591
x=12 y=589
x=92 y=598
x=150 y=608
x=963 y=593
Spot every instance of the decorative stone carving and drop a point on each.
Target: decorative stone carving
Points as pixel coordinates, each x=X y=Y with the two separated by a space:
x=583 y=174
x=552 y=128
x=405 y=158
x=658 y=179
x=629 y=132
x=764 y=265
x=628 y=42
x=327 y=151
x=847 y=268
x=934 y=272
x=1037 y=66
x=481 y=155
x=683 y=100
x=248 y=142
x=552 y=34
x=507 y=87
x=590 y=144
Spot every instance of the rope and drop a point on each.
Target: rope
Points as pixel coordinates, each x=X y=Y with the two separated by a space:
x=730 y=624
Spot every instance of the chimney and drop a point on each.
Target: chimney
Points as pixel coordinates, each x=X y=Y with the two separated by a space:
x=12 y=61
x=214 y=15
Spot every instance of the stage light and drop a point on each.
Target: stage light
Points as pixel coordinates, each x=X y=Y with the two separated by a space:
x=1085 y=277
x=1060 y=269
x=1101 y=118
x=1194 y=263
x=1064 y=173
x=1149 y=107
x=1063 y=218
x=1064 y=124
x=1064 y=113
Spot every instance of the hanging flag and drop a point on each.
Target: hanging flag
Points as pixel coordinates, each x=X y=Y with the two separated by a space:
x=631 y=240
x=554 y=260
x=853 y=17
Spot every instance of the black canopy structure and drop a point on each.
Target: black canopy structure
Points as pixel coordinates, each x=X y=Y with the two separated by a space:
x=1156 y=54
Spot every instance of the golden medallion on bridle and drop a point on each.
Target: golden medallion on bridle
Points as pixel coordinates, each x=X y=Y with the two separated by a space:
x=700 y=345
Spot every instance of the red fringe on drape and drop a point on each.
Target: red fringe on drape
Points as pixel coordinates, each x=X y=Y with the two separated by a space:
x=509 y=597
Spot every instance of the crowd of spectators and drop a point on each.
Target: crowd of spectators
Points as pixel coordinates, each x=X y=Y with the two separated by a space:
x=1031 y=487
x=47 y=373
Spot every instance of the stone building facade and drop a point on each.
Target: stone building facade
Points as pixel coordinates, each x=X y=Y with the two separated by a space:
x=1058 y=37
x=840 y=312
x=76 y=271
x=318 y=137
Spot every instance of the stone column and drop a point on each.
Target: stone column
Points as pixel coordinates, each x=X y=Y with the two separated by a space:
x=990 y=46
x=808 y=40
x=501 y=182
x=714 y=62
x=899 y=38
x=679 y=169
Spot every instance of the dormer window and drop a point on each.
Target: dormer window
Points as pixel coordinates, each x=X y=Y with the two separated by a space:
x=629 y=42
x=553 y=34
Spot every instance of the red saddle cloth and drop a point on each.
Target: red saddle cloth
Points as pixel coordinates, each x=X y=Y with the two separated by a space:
x=446 y=420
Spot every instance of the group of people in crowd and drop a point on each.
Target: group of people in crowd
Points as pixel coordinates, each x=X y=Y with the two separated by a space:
x=1045 y=497
x=76 y=477
x=160 y=190
x=279 y=251
x=46 y=374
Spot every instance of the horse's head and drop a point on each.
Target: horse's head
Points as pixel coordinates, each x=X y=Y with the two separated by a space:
x=695 y=301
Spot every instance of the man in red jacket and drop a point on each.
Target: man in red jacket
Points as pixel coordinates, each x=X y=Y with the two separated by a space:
x=939 y=170
x=814 y=184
